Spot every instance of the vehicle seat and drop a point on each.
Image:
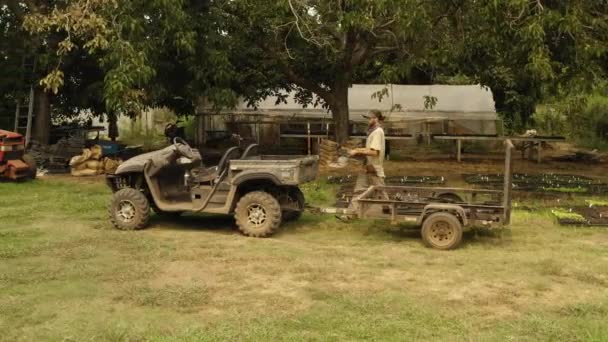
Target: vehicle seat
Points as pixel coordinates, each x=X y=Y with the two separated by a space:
x=208 y=174
x=250 y=151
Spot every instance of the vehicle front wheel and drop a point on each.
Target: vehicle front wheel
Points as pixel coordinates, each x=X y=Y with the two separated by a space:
x=129 y=209
x=258 y=214
x=442 y=231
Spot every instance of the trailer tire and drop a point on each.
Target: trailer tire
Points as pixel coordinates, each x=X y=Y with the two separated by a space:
x=258 y=214
x=442 y=231
x=129 y=209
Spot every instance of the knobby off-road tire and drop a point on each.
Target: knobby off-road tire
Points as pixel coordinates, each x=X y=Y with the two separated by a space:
x=258 y=214
x=129 y=209
x=296 y=195
x=442 y=231
x=31 y=163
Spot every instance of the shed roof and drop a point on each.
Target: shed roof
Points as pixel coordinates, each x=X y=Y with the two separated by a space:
x=470 y=102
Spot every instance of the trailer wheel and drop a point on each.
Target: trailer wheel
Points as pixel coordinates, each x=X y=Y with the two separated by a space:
x=258 y=214
x=442 y=231
x=129 y=209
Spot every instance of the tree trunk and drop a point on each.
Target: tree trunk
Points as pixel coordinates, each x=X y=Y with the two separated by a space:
x=112 y=126
x=41 y=125
x=340 y=114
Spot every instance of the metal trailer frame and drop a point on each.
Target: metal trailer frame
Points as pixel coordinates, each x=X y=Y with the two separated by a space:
x=417 y=204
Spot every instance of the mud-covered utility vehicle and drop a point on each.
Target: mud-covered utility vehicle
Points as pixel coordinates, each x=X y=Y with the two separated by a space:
x=260 y=191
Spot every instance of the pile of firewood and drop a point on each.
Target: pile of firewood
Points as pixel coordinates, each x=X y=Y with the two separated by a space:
x=328 y=153
x=354 y=163
x=55 y=158
x=332 y=155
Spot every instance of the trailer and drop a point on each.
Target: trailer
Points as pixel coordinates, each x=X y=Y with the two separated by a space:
x=442 y=213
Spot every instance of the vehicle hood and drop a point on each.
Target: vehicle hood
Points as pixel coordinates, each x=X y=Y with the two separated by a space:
x=136 y=164
x=9 y=134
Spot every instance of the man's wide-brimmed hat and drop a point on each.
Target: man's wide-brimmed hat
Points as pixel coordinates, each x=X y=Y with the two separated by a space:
x=374 y=114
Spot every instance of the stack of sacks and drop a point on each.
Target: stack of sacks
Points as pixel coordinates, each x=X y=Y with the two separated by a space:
x=90 y=163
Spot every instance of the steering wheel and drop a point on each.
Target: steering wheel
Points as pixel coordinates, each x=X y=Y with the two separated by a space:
x=183 y=148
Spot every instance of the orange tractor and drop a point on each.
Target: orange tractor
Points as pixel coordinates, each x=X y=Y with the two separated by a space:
x=14 y=163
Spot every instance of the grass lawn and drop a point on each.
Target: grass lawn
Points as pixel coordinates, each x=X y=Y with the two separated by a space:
x=66 y=274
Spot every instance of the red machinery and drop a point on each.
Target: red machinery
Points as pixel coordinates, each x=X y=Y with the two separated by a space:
x=14 y=163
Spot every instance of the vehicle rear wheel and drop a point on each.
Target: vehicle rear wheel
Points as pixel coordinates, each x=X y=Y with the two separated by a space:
x=129 y=209
x=442 y=231
x=31 y=163
x=294 y=197
x=258 y=214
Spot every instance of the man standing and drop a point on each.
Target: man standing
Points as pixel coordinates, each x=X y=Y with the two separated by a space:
x=374 y=148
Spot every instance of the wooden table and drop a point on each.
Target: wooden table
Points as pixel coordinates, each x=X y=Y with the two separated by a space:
x=529 y=142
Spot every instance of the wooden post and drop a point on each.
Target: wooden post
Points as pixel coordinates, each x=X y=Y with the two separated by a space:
x=458 y=148
x=538 y=151
x=506 y=196
x=257 y=130
x=308 y=134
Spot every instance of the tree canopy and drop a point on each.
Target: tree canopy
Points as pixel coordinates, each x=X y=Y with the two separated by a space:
x=173 y=51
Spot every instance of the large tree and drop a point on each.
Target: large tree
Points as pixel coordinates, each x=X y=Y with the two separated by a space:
x=526 y=50
x=163 y=51
x=25 y=59
x=322 y=47
x=150 y=52
x=521 y=49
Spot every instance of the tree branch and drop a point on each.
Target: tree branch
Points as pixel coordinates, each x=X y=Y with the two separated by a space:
x=360 y=54
x=307 y=84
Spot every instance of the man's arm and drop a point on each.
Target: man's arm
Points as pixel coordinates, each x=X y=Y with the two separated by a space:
x=363 y=151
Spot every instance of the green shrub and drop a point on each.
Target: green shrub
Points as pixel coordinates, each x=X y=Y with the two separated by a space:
x=583 y=119
x=548 y=120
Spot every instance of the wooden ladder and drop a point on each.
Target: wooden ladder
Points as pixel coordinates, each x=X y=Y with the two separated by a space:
x=24 y=111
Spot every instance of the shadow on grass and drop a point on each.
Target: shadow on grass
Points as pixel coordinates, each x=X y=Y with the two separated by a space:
x=200 y=222
x=487 y=237
x=225 y=223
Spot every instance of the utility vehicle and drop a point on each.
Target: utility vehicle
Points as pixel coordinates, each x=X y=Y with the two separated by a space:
x=260 y=191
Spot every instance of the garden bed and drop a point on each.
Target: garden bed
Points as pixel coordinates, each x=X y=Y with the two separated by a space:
x=582 y=215
x=543 y=182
